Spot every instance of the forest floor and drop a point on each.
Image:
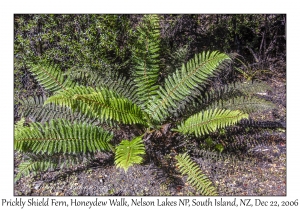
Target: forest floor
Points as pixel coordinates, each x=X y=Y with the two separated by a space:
x=264 y=177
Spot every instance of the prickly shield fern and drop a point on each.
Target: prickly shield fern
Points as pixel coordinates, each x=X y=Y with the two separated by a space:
x=77 y=118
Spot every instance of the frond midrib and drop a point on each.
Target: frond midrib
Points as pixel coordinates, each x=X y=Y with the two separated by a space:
x=128 y=156
x=145 y=69
x=146 y=59
x=52 y=139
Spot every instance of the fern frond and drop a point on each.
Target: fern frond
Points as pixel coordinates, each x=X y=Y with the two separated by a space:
x=118 y=109
x=102 y=103
x=35 y=108
x=245 y=104
x=227 y=94
x=195 y=176
x=60 y=136
x=33 y=167
x=146 y=58
x=128 y=153
x=120 y=84
x=37 y=163
x=210 y=120
x=234 y=90
x=261 y=124
x=123 y=86
x=50 y=76
x=194 y=75
x=251 y=88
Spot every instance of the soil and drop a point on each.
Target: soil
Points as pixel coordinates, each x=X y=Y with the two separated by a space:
x=266 y=176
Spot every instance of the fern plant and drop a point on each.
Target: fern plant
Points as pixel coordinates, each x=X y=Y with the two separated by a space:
x=68 y=130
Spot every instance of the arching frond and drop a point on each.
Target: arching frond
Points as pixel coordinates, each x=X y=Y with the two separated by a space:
x=145 y=56
x=123 y=86
x=35 y=164
x=33 y=167
x=195 y=176
x=241 y=94
x=262 y=124
x=102 y=103
x=194 y=75
x=210 y=120
x=245 y=104
x=34 y=107
x=60 y=136
x=118 y=83
x=128 y=153
x=234 y=90
x=50 y=76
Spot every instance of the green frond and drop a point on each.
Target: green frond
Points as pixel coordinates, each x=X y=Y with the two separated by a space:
x=34 y=107
x=262 y=124
x=128 y=153
x=226 y=94
x=234 y=90
x=261 y=136
x=33 y=167
x=146 y=58
x=123 y=86
x=117 y=109
x=50 y=76
x=60 y=136
x=195 y=176
x=194 y=75
x=37 y=163
x=118 y=83
x=245 y=104
x=68 y=96
x=210 y=120
x=70 y=160
x=101 y=103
